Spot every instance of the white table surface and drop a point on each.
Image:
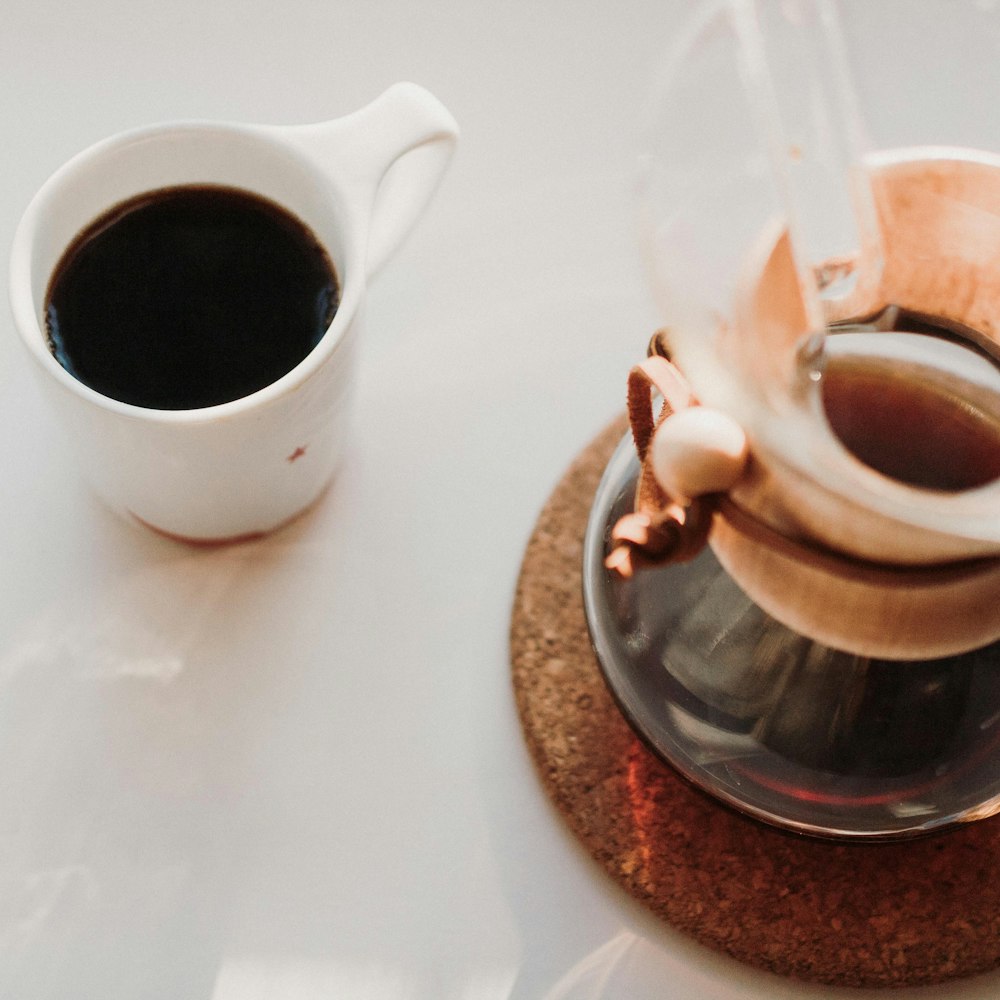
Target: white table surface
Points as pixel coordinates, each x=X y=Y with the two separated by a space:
x=292 y=769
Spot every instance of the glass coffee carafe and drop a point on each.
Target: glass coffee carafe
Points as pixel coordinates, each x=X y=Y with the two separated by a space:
x=820 y=210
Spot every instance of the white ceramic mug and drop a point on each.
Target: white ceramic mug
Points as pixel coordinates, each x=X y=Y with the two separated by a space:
x=245 y=467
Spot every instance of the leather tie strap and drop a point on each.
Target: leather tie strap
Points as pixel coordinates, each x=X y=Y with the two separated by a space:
x=659 y=529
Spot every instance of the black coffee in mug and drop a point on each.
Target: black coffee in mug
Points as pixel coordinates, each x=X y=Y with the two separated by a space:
x=188 y=297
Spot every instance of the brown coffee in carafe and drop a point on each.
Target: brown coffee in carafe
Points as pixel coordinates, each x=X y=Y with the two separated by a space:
x=911 y=429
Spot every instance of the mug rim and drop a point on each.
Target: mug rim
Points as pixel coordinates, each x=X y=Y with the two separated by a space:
x=350 y=275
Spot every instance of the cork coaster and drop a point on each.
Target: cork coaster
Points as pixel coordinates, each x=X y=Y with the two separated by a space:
x=917 y=912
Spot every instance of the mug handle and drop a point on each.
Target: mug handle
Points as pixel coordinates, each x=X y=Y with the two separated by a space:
x=398 y=147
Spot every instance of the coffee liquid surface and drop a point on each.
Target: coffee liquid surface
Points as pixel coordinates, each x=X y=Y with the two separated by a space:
x=189 y=297
x=911 y=430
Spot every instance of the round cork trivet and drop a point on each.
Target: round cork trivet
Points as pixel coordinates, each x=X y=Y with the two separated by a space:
x=915 y=912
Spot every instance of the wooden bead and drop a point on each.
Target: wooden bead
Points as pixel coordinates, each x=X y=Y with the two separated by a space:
x=698 y=451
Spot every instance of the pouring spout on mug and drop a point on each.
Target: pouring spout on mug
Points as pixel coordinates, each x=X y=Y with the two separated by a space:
x=394 y=151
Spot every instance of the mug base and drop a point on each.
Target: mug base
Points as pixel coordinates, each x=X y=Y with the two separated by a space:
x=219 y=541
x=204 y=543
